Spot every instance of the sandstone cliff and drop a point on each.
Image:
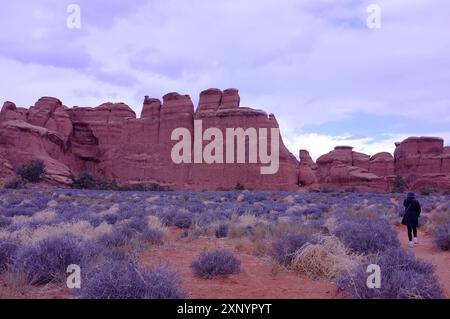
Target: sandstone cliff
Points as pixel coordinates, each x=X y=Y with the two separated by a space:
x=111 y=142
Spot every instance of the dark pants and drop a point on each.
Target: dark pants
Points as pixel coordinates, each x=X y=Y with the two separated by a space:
x=412 y=230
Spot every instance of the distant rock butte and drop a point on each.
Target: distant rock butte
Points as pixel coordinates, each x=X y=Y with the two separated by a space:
x=110 y=142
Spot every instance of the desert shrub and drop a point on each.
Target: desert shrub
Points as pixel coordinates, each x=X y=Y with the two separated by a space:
x=111 y=219
x=138 y=224
x=399 y=185
x=103 y=184
x=402 y=277
x=364 y=235
x=437 y=219
x=175 y=217
x=48 y=261
x=19 y=211
x=423 y=220
x=15 y=182
x=426 y=191
x=31 y=172
x=239 y=187
x=326 y=259
x=284 y=249
x=221 y=231
x=215 y=263
x=4 y=222
x=352 y=189
x=7 y=251
x=327 y=189
x=314 y=212
x=152 y=236
x=84 y=181
x=123 y=279
x=182 y=220
x=120 y=237
x=442 y=237
x=152 y=187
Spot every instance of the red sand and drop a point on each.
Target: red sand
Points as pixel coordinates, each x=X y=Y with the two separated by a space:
x=256 y=279
x=427 y=251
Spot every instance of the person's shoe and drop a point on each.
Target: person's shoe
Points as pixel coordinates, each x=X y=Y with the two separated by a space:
x=411 y=244
x=416 y=241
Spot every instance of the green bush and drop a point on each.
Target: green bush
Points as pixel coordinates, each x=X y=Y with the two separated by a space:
x=239 y=187
x=327 y=189
x=425 y=191
x=84 y=181
x=399 y=185
x=31 y=172
x=152 y=187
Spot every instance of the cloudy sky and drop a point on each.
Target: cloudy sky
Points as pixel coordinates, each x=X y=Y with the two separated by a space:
x=315 y=64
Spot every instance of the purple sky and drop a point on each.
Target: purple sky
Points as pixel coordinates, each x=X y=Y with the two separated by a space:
x=328 y=78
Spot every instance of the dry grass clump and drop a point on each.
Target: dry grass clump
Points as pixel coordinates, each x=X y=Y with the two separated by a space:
x=82 y=229
x=437 y=219
x=331 y=224
x=243 y=225
x=295 y=209
x=114 y=209
x=326 y=259
x=289 y=199
x=154 y=222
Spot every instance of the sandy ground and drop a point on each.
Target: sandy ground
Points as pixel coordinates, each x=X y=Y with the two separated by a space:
x=427 y=251
x=259 y=277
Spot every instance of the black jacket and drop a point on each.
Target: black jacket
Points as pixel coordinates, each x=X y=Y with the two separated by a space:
x=412 y=212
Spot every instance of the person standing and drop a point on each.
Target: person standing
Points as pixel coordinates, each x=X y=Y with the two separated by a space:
x=411 y=218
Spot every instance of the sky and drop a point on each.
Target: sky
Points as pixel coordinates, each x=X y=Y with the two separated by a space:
x=329 y=78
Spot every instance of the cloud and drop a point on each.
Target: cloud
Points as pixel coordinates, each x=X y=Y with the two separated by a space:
x=312 y=63
x=319 y=144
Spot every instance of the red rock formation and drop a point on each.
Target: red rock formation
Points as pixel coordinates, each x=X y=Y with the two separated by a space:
x=423 y=162
x=343 y=168
x=210 y=100
x=225 y=176
x=49 y=112
x=111 y=143
x=10 y=112
x=21 y=142
x=230 y=99
x=307 y=175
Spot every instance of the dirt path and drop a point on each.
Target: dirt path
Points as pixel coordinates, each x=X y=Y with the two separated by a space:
x=427 y=251
x=257 y=278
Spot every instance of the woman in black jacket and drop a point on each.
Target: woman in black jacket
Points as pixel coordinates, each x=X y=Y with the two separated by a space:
x=411 y=217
